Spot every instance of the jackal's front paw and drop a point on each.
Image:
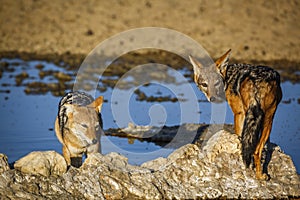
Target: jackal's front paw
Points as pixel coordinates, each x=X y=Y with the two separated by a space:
x=76 y=161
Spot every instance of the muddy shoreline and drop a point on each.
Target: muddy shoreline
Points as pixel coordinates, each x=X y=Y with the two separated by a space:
x=261 y=30
x=288 y=69
x=76 y=59
x=257 y=32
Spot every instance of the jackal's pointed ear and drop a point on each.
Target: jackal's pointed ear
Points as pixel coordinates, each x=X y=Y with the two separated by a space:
x=65 y=112
x=97 y=104
x=222 y=62
x=68 y=108
x=196 y=65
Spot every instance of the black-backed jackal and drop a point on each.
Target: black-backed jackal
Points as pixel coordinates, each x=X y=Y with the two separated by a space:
x=78 y=126
x=252 y=92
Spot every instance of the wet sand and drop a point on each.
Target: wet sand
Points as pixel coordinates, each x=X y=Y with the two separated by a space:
x=265 y=31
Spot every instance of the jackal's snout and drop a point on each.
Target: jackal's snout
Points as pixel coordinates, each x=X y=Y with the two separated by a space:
x=94 y=141
x=218 y=99
x=216 y=92
x=212 y=99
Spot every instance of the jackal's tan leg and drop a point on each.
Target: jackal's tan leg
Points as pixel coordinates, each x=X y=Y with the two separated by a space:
x=239 y=123
x=67 y=155
x=267 y=127
x=237 y=108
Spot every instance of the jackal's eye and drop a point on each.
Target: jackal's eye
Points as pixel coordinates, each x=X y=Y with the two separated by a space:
x=217 y=83
x=97 y=127
x=203 y=84
x=84 y=125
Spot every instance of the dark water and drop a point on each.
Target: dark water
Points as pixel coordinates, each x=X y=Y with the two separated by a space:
x=27 y=120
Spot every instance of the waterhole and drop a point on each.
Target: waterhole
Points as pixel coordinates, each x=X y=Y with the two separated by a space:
x=30 y=92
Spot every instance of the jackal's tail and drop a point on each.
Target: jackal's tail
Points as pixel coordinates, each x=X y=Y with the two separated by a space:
x=251 y=131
